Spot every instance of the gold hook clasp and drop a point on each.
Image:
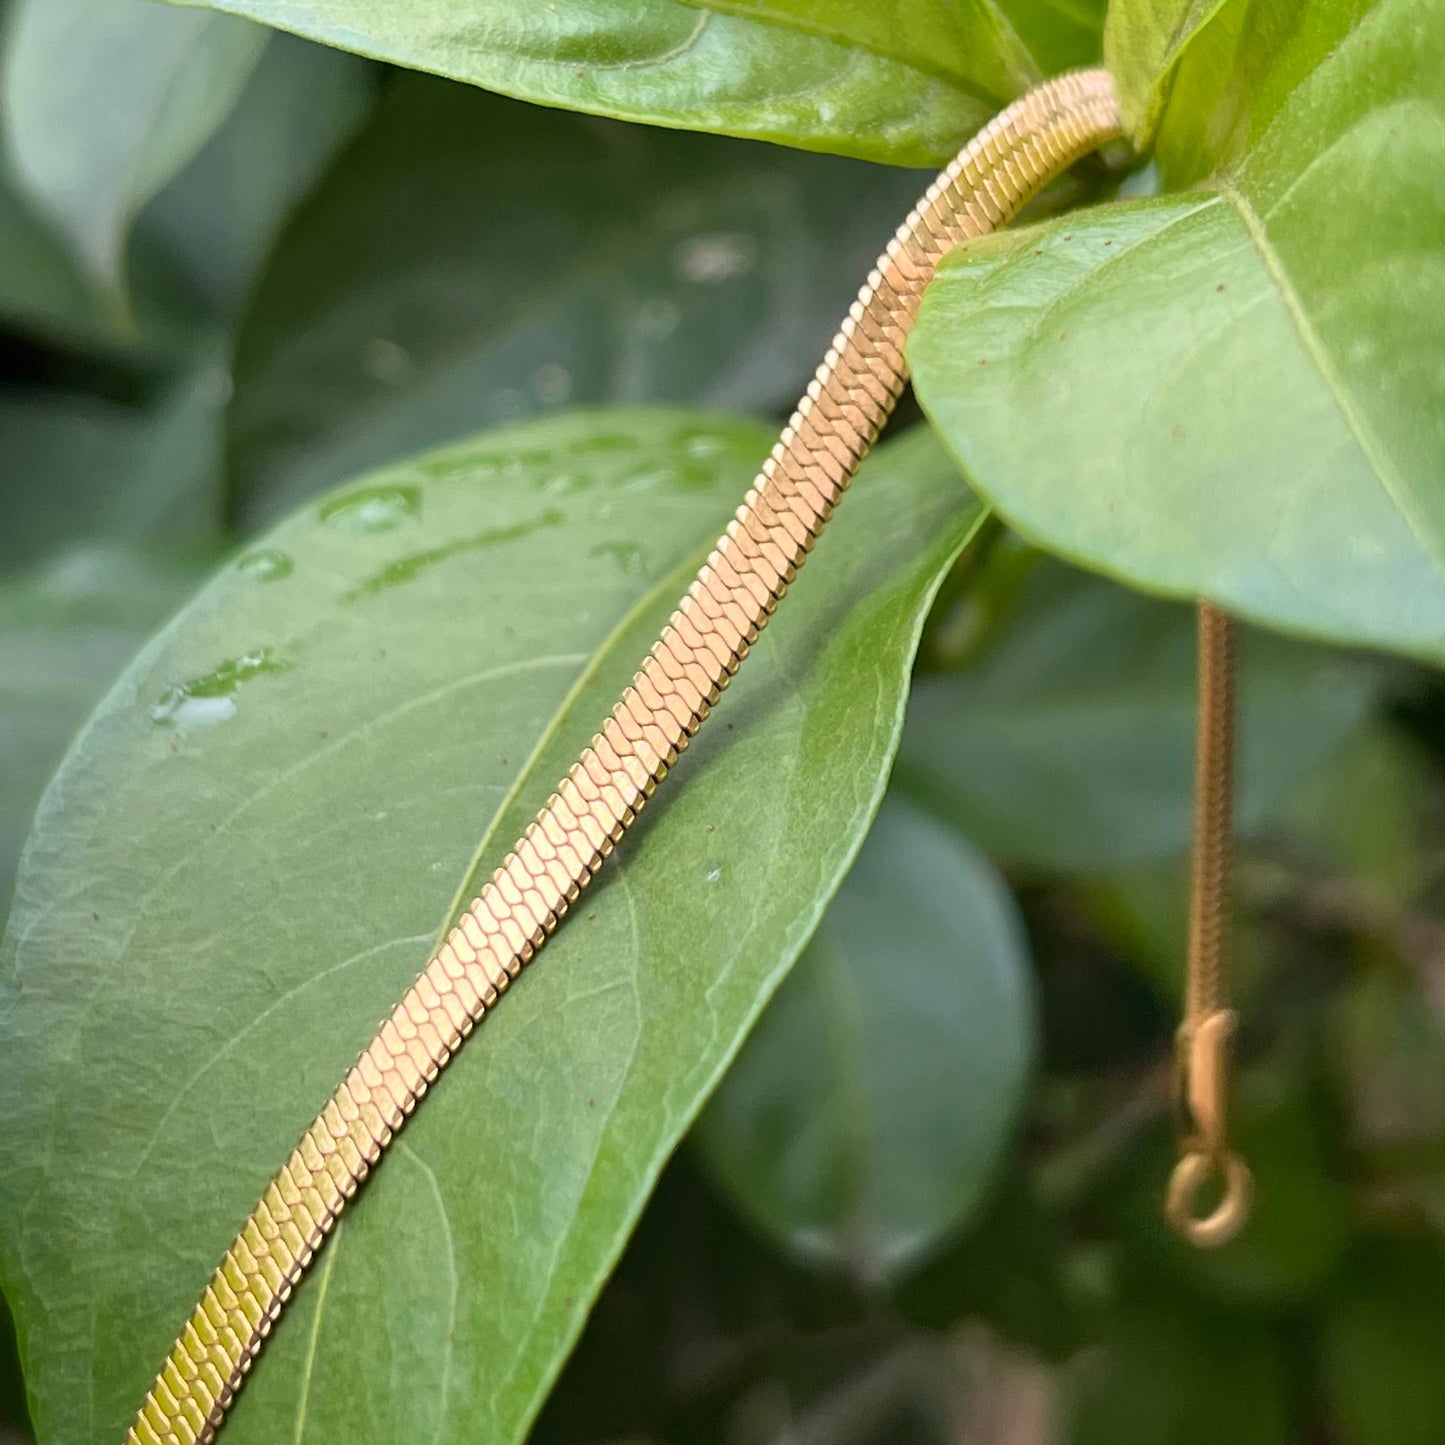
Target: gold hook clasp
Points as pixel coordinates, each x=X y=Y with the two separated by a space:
x=1203 y=1064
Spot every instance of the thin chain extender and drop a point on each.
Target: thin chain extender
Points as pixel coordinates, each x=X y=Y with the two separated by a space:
x=1206 y=1034
x=700 y=649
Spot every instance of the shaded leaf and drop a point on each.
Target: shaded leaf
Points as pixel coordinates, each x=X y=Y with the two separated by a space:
x=1234 y=393
x=471 y=259
x=1066 y=743
x=274 y=812
x=867 y=1112
x=219 y=218
x=105 y=100
x=41 y=288
x=73 y=465
x=14 y=1417
x=902 y=82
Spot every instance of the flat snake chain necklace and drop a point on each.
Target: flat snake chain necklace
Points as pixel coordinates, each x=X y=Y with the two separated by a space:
x=700 y=649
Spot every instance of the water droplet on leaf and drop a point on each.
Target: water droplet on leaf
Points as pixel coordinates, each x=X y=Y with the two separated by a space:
x=628 y=555
x=265 y=565
x=205 y=701
x=700 y=445
x=372 y=509
x=563 y=484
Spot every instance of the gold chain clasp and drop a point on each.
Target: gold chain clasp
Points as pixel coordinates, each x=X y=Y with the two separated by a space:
x=1202 y=1053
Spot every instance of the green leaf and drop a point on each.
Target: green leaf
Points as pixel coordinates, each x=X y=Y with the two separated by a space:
x=66 y=631
x=1066 y=743
x=471 y=258
x=1143 y=41
x=41 y=288
x=105 y=100
x=247 y=854
x=866 y=1115
x=1234 y=393
x=45 y=293
x=901 y=82
x=1382 y=1339
x=220 y=217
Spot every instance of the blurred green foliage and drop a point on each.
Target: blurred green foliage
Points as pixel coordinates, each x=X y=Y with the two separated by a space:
x=238 y=267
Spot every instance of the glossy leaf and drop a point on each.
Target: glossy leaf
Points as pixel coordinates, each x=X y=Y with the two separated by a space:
x=66 y=631
x=868 y=1110
x=1066 y=743
x=471 y=259
x=105 y=100
x=901 y=82
x=1143 y=41
x=220 y=217
x=246 y=856
x=1234 y=393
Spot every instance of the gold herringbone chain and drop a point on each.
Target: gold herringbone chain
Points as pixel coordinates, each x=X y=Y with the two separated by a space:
x=681 y=678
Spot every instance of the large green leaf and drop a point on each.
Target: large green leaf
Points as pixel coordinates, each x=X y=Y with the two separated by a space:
x=864 y=1119
x=1234 y=393
x=105 y=100
x=903 y=81
x=1066 y=743
x=246 y=855
x=471 y=259
x=66 y=631
x=219 y=218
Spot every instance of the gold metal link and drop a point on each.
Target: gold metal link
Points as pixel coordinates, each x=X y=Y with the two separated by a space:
x=731 y=599
x=1205 y=1036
